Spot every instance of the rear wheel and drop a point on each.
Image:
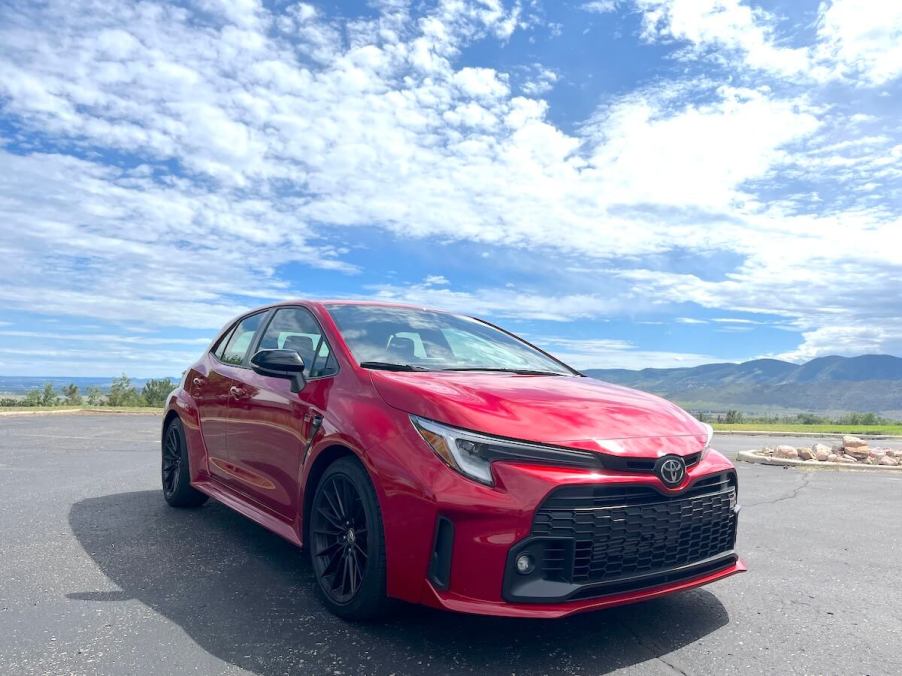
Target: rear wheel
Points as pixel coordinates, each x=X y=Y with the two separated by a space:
x=347 y=547
x=176 y=476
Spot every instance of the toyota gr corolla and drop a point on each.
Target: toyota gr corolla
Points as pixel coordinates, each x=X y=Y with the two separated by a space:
x=438 y=459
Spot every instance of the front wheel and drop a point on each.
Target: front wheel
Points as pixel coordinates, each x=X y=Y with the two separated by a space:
x=346 y=542
x=176 y=476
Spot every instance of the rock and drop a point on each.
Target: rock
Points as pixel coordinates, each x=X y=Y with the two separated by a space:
x=858 y=452
x=893 y=453
x=876 y=453
x=805 y=453
x=847 y=458
x=767 y=450
x=833 y=457
x=821 y=452
x=886 y=460
x=848 y=441
x=786 y=452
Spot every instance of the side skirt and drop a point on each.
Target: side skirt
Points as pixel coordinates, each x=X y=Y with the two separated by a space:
x=251 y=511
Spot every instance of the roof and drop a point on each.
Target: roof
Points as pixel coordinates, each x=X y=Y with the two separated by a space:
x=350 y=301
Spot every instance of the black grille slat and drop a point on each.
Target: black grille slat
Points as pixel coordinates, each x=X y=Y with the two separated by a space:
x=630 y=464
x=554 y=561
x=628 y=530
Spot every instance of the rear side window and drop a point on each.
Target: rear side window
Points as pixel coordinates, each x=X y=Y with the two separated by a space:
x=221 y=345
x=295 y=329
x=239 y=341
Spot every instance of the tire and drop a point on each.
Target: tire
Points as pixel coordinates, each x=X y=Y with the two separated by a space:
x=175 y=473
x=347 y=544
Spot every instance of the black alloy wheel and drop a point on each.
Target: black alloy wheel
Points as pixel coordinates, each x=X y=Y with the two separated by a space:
x=346 y=542
x=172 y=460
x=176 y=476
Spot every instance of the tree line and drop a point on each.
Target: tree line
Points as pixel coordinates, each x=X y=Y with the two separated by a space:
x=734 y=416
x=120 y=393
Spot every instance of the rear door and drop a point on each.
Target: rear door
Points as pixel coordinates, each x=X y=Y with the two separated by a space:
x=270 y=426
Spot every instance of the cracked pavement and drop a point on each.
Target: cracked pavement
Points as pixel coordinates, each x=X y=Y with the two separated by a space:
x=99 y=576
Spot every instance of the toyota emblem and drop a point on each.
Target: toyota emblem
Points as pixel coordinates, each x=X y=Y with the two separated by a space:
x=671 y=470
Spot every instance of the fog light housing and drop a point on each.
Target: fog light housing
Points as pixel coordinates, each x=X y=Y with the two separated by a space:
x=525 y=564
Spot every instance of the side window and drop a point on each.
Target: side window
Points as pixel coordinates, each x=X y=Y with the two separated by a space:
x=294 y=328
x=240 y=340
x=221 y=346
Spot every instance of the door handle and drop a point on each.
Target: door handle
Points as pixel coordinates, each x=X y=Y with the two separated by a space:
x=237 y=392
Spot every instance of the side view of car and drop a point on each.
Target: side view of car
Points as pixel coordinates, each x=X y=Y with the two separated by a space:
x=438 y=459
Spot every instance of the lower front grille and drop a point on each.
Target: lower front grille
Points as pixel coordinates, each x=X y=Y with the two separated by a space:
x=641 y=532
x=597 y=539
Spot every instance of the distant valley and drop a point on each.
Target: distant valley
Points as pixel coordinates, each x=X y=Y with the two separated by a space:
x=19 y=385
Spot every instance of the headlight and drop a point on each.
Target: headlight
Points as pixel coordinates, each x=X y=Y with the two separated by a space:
x=472 y=454
x=710 y=431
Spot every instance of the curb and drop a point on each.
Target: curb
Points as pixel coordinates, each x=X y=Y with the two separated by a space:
x=755 y=459
x=82 y=411
x=765 y=433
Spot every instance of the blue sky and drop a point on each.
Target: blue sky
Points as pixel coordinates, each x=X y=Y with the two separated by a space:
x=627 y=183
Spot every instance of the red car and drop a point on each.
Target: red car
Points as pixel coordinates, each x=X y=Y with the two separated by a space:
x=438 y=459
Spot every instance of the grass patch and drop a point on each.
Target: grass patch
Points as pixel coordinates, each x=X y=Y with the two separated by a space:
x=826 y=428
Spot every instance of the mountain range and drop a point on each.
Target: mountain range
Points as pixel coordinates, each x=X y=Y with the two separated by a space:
x=869 y=383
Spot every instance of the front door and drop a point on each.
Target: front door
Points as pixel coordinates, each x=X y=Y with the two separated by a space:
x=216 y=392
x=269 y=425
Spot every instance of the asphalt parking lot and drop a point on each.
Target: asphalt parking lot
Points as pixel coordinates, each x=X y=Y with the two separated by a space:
x=100 y=576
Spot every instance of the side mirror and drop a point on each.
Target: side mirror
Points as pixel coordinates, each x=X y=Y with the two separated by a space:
x=280 y=364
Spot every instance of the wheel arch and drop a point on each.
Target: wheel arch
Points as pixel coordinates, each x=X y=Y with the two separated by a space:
x=197 y=454
x=321 y=462
x=171 y=415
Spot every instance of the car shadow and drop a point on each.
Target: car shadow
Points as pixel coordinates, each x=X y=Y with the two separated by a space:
x=247 y=597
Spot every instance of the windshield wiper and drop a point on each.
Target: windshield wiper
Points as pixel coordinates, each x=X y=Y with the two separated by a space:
x=390 y=366
x=522 y=372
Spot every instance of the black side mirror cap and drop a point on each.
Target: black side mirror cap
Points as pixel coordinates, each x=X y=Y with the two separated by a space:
x=280 y=364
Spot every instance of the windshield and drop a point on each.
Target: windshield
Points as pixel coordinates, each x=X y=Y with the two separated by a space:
x=386 y=337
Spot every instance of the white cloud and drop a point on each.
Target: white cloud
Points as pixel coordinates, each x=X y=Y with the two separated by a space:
x=480 y=82
x=435 y=280
x=164 y=163
x=503 y=302
x=862 y=37
x=541 y=82
x=723 y=24
x=101 y=338
x=600 y=6
x=700 y=155
x=90 y=241
x=860 y=40
x=603 y=353
x=843 y=340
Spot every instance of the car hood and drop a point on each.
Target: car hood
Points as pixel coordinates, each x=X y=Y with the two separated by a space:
x=568 y=411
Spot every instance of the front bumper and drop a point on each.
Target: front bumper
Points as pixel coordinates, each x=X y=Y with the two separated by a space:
x=464 y=604
x=472 y=569
x=594 y=540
